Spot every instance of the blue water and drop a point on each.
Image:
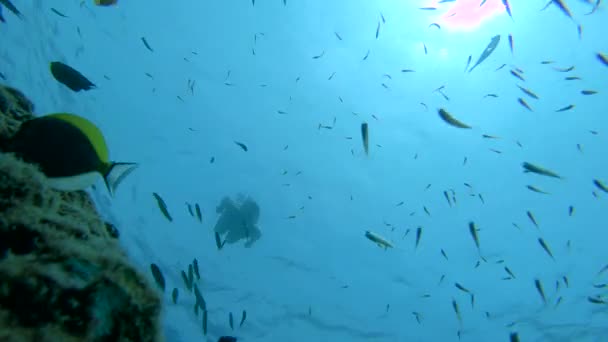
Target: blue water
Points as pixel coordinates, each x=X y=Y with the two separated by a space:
x=320 y=262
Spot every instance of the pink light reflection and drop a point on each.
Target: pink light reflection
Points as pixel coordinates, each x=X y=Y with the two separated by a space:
x=466 y=14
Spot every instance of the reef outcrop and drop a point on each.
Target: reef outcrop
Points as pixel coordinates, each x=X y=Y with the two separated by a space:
x=63 y=274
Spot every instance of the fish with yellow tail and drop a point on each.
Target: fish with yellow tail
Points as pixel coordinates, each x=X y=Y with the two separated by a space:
x=70 y=150
x=379 y=240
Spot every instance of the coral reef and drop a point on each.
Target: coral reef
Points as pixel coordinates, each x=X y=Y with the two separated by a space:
x=63 y=275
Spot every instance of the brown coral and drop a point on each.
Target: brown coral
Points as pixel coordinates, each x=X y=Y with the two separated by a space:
x=63 y=276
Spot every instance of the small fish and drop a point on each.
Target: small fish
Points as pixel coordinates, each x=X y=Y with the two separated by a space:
x=448 y=118
x=490 y=95
x=379 y=240
x=516 y=74
x=58 y=13
x=162 y=206
x=563 y=7
x=243 y=318
x=186 y=281
x=468 y=63
x=338 y=36
x=378 y=30
x=570 y=210
x=507 y=7
x=539 y=288
x=544 y=245
x=418 y=236
x=566 y=108
x=568 y=69
x=535 y=189
x=241 y=145
x=435 y=25
x=426 y=51
x=447 y=198
x=579 y=29
x=174 y=295
x=531 y=217
x=417 y=315
x=195 y=269
x=528 y=92
x=473 y=231
x=143 y=39
x=529 y=167
x=408 y=70
x=490 y=48
x=511 y=42
x=513 y=337
x=366 y=55
x=190 y=274
x=596 y=300
x=444 y=255
x=600 y=185
x=509 y=272
x=218 y=241
x=199 y=215
x=205 y=327
x=382 y=17
x=462 y=288
x=331 y=76
x=588 y=92
x=365 y=137
x=158 y=276
x=427 y=8
x=318 y=56
x=426 y=211
x=524 y=104
x=456 y=310
x=9 y=5
x=231 y=321
x=500 y=67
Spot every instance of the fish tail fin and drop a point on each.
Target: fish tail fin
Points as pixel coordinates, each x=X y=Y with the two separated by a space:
x=116 y=173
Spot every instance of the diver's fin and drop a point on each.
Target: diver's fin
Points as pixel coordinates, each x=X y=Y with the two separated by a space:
x=117 y=172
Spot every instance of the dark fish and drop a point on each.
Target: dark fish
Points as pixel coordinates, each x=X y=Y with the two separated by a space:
x=568 y=69
x=490 y=95
x=509 y=272
x=579 y=28
x=426 y=51
x=528 y=92
x=70 y=77
x=218 y=241
x=427 y=8
x=338 y=36
x=516 y=74
x=528 y=167
x=596 y=300
x=570 y=210
x=205 y=327
x=231 y=321
x=162 y=206
x=9 y=5
x=539 y=288
x=598 y=183
x=531 y=217
x=456 y=310
x=241 y=145
x=489 y=49
x=319 y=56
x=544 y=245
x=365 y=137
x=595 y=7
x=408 y=70
x=507 y=7
x=500 y=67
x=2 y=20
x=195 y=268
x=59 y=13
x=563 y=7
x=435 y=25
x=535 y=189
x=462 y=288
x=174 y=295
x=445 y=116
x=243 y=318
x=418 y=236
x=468 y=63
x=143 y=39
x=378 y=30
x=513 y=337
x=473 y=231
x=366 y=55
x=186 y=281
x=566 y=108
x=588 y=92
x=199 y=215
x=511 y=42
x=158 y=276
x=444 y=255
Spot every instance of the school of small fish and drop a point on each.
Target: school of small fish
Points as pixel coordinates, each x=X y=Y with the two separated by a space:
x=529 y=99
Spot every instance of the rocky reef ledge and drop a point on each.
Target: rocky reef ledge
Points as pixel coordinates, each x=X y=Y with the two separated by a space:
x=63 y=274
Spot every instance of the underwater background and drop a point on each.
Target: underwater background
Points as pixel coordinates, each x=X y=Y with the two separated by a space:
x=293 y=81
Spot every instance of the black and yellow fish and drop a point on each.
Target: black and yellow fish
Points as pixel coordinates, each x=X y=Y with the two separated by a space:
x=70 y=150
